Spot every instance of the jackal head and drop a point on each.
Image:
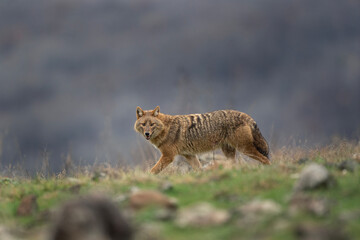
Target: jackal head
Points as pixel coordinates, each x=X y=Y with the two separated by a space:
x=148 y=123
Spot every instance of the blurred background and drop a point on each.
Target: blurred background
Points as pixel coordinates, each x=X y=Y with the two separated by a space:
x=73 y=71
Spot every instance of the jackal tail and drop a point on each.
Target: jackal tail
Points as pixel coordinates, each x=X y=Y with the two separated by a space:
x=259 y=141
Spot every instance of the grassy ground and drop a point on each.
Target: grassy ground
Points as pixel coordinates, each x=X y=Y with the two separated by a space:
x=225 y=187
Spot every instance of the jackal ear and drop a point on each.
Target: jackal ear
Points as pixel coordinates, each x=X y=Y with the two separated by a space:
x=139 y=112
x=156 y=111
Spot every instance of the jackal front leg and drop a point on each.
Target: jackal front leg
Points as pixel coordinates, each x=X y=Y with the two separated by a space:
x=163 y=162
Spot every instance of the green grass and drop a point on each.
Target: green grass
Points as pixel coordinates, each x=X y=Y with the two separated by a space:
x=223 y=188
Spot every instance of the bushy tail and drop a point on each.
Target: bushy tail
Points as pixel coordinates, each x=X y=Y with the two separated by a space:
x=259 y=141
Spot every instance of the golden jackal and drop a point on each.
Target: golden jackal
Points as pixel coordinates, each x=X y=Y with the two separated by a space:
x=188 y=135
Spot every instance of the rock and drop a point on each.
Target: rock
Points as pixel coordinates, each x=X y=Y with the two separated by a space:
x=149 y=231
x=90 y=218
x=260 y=207
x=349 y=165
x=201 y=215
x=252 y=212
x=314 y=176
x=145 y=198
x=304 y=203
x=320 y=232
x=28 y=206
x=5 y=235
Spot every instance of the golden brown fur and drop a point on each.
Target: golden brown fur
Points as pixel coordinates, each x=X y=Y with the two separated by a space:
x=188 y=135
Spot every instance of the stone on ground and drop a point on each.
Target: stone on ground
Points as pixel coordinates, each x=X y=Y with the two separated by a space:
x=201 y=215
x=314 y=176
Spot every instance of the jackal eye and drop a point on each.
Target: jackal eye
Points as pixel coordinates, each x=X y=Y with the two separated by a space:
x=152 y=124
x=143 y=124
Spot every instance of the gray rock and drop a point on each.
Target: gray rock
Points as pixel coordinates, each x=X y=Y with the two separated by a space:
x=260 y=207
x=314 y=176
x=5 y=234
x=254 y=211
x=90 y=218
x=349 y=165
x=317 y=206
x=201 y=215
x=149 y=231
x=310 y=231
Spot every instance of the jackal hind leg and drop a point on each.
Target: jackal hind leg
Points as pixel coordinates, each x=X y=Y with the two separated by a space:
x=244 y=142
x=193 y=161
x=229 y=151
x=252 y=152
x=163 y=162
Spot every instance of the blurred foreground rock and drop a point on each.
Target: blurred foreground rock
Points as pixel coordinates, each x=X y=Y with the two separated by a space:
x=314 y=176
x=145 y=198
x=349 y=165
x=90 y=218
x=201 y=215
x=310 y=231
x=149 y=231
x=304 y=203
x=5 y=235
x=28 y=206
x=260 y=207
x=253 y=211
